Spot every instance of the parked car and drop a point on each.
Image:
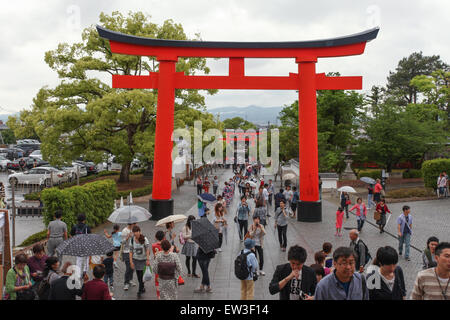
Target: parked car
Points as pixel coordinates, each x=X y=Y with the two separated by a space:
x=29 y=163
x=83 y=169
x=38 y=175
x=28 y=148
x=72 y=171
x=64 y=176
x=36 y=154
x=113 y=166
x=14 y=153
x=90 y=166
x=3 y=163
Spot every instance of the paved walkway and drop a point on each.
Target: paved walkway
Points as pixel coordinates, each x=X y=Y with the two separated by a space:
x=431 y=218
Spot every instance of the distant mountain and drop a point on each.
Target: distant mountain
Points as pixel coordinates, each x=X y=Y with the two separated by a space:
x=254 y=114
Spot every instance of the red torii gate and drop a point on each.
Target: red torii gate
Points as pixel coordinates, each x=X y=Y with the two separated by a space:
x=306 y=81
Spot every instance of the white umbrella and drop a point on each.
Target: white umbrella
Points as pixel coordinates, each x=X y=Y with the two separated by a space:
x=346 y=189
x=289 y=176
x=172 y=218
x=252 y=184
x=129 y=214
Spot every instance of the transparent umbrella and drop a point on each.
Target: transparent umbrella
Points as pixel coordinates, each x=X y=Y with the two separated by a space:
x=129 y=213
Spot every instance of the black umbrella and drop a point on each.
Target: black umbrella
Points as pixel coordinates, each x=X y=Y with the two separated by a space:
x=205 y=234
x=85 y=245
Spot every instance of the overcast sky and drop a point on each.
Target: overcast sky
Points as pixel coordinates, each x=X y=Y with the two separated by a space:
x=30 y=28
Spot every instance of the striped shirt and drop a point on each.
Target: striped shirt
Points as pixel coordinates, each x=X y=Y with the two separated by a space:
x=427 y=286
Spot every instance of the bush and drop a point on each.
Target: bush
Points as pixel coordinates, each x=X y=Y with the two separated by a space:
x=374 y=174
x=412 y=173
x=138 y=171
x=136 y=192
x=32 y=196
x=410 y=193
x=94 y=199
x=431 y=170
x=34 y=238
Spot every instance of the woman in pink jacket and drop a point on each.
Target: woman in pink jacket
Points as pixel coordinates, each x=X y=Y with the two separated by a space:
x=361 y=212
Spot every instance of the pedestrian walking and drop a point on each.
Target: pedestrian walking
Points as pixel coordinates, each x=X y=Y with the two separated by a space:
x=199 y=185
x=441 y=185
x=260 y=211
x=59 y=290
x=215 y=185
x=242 y=214
x=126 y=235
x=361 y=213
x=49 y=275
x=271 y=190
x=171 y=235
x=36 y=264
x=344 y=283
x=433 y=283
x=281 y=225
x=319 y=271
x=404 y=231
x=326 y=249
x=377 y=191
x=288 y=195
x=370 y=203
x=96 y=289
x=279 y=197
x=392 y=284
x=167 y=265
x=295 y=200
x=381 y=211
x=116 y=235
x=362 y=255
x=108 y=262
x=18 y=280
x=219 y=223
x=189 y=248
x=319 y=259
x=345 y=202
x=257 y=233
x=429 y=254
x=204 y=259
x=139 y=256
x=206 y=184
x=339 y=221
x=250 y=264
x=81 y=228
x=222 y=201
x=56 y=233
x=294 y=280
x=227 y=193
x=156 y=247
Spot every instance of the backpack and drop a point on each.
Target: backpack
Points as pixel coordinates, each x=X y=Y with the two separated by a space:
x=82 y=230
x=241 y=269
x=368 y=256
x=43 y=289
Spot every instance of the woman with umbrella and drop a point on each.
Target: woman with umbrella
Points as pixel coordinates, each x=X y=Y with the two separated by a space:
x=139 y=256
x=189 y=248
x=168 y=267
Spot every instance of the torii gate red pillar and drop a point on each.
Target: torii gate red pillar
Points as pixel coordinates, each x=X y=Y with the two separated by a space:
x=306 y=81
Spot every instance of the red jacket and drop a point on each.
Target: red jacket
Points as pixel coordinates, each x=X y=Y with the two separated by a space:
x=358 y=210
x=96 y=289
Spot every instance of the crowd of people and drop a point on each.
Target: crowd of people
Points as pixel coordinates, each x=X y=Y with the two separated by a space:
x=347 y=273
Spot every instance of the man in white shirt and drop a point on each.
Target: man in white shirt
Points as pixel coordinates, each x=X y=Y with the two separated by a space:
x=126 y=235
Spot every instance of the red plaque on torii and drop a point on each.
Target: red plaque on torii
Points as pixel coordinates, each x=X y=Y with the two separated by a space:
x=306 y=81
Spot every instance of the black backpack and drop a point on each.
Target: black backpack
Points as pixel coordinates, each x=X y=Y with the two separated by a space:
x=82 y=230
x=43 y=289
x=241 y=269
x=368 y=256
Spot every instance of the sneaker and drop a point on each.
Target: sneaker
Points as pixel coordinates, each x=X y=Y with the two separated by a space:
x=195 y=275
x=209 y=290
x=399 y=253
x=336 y=234
x=407 y=259
x=220 y=250
x=126 y=287
x=111 y=288
x=199 y=290
x=262 y=273
x=133 y=284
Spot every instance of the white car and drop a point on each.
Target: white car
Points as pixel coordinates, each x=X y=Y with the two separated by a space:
x=83 y=170
x=3 y=163
x=38 y=175
x=36 y=154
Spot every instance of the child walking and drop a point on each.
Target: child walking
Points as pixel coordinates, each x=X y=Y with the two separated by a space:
x=116 y=235
x=339 y=220
x=108 y=262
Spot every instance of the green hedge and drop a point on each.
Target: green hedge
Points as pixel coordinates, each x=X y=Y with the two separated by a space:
x=94 y=199
x=412 y=173
x=138 y=171
x=431 y=170
x=34 y=238
x=374 y=174
x=136 y=192
x=410 y=192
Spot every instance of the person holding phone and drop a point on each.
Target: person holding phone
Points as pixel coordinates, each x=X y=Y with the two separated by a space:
x=281 y=215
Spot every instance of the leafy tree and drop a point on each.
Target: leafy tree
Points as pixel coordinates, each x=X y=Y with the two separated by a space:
x=8 y=136
x=85 y=116
x=238 y=122
x=399 y=82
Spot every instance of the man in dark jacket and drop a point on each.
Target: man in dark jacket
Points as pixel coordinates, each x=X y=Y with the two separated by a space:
x=64 y=289
x=278 y=198
x=294 y=280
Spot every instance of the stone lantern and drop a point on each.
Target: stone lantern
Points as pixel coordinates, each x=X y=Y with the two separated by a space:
x=348 y=173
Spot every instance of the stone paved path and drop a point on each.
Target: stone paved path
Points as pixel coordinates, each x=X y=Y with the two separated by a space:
x=430 y=218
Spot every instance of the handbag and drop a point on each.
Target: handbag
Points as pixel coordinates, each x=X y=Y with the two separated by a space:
x=180 y=281
x=348 y=202
x=148 y=275
x=377 y=215
x=247 y=235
